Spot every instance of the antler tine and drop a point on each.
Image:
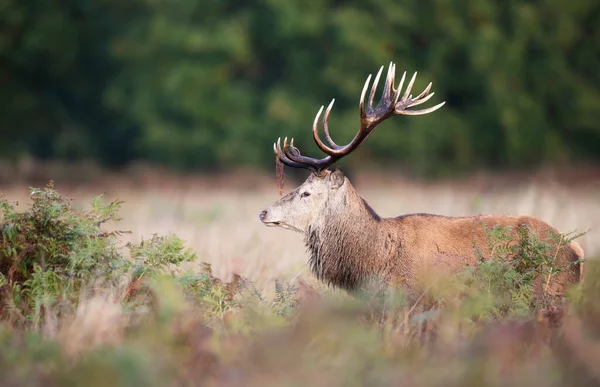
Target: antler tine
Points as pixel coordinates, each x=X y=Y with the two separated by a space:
x=326 y=126
x=417 y=101
x=291 y=154
x=374 y=88
x=425 y=92
x=405 y=103
x=399 y=90
x=294 y=155
x=315 y=130
x=388 y=88
x=294 y=150
x=284 y=159
x=409 y=87
x=361 y=104
x=423 y=111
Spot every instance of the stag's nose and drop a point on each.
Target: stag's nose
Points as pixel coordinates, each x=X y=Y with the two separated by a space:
x=262 y=216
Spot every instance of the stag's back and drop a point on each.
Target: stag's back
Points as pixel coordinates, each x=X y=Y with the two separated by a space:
x=435 y=243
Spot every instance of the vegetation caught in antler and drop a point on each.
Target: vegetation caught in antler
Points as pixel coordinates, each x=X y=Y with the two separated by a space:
x=279 y=174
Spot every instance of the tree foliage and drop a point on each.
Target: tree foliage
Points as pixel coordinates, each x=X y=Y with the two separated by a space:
x=203 y=84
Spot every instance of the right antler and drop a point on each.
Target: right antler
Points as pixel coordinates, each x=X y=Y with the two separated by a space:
x=390 y=104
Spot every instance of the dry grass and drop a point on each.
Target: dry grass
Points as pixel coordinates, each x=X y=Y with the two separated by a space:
x=218 y=216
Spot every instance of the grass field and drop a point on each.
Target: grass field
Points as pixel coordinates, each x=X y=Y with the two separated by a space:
x=218 y=216
x=328 y=344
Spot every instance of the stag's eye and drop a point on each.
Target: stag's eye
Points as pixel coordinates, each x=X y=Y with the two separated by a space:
x=304 y=194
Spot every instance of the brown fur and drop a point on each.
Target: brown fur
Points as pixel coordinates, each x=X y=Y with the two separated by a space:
x=349 y=244
x=357 y=244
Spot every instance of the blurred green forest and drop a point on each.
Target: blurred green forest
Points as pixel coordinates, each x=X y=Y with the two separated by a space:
x=211 y=84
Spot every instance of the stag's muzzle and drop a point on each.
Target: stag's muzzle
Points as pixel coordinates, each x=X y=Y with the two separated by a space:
x=269 y=218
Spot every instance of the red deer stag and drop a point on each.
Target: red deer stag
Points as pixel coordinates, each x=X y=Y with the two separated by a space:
x=350 y=244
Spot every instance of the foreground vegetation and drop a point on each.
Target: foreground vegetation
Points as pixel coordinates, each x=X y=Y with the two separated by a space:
x=79 y=308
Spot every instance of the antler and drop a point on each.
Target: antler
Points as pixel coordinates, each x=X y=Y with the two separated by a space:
x=390 y=104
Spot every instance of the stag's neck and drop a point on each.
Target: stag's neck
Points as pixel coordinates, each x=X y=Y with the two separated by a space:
x=346 y=244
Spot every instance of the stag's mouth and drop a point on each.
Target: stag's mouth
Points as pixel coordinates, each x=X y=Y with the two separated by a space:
x=267 y=222
x=264 y=218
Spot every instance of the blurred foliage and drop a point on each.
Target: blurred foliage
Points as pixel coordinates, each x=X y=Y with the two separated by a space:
x=195 y=84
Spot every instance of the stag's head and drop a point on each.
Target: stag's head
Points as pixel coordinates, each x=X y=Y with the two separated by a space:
x=296 y=210
x=323 y=189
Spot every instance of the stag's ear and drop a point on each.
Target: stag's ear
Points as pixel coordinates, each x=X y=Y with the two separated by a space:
x=336 y=178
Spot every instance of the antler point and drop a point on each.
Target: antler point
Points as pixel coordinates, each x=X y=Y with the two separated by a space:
x=364 y=91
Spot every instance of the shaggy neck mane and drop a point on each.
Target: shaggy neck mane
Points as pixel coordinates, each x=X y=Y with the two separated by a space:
x=341 y=243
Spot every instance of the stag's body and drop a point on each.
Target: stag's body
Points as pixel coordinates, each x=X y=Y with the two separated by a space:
x=351 y=246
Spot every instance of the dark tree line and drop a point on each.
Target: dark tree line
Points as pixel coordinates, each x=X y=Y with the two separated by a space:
x=201 y=84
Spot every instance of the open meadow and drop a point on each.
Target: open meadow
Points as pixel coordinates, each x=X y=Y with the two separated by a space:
x=278 y=325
